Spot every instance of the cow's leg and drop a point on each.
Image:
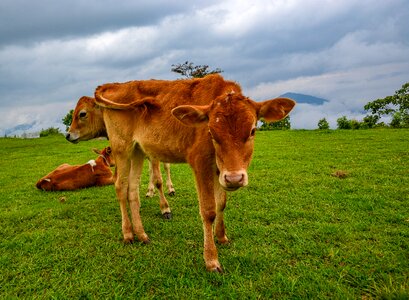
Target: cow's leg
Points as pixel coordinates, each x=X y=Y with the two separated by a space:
x=207 y=203
x=151 y=186
x=121 y=187
x=157 y=178
x=220 y=196
x=169 y=184
x=134 y=179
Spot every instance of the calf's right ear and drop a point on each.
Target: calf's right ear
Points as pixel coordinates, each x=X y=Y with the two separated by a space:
x=275 y=109
x=191 y=115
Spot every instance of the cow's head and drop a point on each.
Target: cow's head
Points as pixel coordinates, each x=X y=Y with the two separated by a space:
x=106 y=153
x=231 y=120
x=87 y=121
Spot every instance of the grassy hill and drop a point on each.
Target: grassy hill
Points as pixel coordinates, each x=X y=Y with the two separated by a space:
x=325 y=216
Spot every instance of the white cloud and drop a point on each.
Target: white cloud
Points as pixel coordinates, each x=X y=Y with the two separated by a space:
x=42 y=117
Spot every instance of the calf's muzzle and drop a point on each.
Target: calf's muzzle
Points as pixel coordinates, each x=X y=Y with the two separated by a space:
x=233 y=180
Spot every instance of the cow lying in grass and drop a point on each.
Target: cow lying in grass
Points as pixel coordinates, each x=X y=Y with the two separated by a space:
x=205 y=122
x=94 y=173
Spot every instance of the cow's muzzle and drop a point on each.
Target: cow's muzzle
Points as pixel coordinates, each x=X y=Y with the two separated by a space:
x=71 y=138
x=231 y=181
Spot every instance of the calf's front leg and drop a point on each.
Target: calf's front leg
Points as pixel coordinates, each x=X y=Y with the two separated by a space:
x=207 y=203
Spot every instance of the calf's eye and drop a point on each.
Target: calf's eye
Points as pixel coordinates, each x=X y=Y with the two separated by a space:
x=83 y=114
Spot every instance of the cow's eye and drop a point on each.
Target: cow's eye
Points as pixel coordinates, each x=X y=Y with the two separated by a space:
x=253 y=131
x=83 y=114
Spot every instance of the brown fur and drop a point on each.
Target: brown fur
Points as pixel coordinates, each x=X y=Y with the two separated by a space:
x=205 y=122
x=68 y=178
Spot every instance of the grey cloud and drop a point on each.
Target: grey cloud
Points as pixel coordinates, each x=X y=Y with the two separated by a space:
x=25 y=21
x=348 y=51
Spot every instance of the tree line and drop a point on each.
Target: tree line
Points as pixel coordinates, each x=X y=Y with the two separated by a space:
x=396 y=107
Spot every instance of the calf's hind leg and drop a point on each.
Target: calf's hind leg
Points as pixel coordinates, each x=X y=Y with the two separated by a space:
x=134 y=179
x=169 y=184
x=157 y=179
x=151 y=187
x=121 y=187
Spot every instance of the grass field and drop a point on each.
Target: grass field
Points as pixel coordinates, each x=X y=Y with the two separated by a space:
x=296 y=231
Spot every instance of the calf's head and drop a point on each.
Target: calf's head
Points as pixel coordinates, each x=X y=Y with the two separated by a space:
x=87 y=121
x=231 y=121
x=106 y=153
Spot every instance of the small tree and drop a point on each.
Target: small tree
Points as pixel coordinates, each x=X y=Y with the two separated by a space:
x=323 y=124
x=390 y=105
x=67 y=120
x=355 y=124
x=396 y=120
x=283 y=124
x=189 y=70
x=343 y=123
x=370 y=121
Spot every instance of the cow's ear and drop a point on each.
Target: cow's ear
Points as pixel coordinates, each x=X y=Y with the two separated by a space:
x=275 y=109
x=191 y=115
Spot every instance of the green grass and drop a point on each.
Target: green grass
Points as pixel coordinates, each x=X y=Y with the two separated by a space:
x=295 y=231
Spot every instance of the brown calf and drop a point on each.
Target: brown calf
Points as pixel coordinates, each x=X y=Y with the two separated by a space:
x=206 y=122
x=67 y=178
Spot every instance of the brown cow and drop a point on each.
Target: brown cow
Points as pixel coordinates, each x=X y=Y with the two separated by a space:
x=67 y=177
x=206 y=122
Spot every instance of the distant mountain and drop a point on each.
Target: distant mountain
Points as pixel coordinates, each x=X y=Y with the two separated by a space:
x=301 y=98
x=16 y=130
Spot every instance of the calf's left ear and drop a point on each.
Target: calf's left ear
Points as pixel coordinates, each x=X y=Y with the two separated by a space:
x=275 y=109
x=191 y=115
x=97 y=151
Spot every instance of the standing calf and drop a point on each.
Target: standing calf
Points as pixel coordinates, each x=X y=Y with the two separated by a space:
x=205 y=122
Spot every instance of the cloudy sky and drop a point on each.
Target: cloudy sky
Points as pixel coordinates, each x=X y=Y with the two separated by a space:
x=349 y=52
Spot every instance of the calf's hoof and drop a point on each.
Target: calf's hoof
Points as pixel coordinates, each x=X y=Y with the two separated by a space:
x=150 y=194
x=171 y=193
x=223 y=241
x=146 y=242
x=167 y=215
x=128 y=241
x=214 y=267
x=216 y=270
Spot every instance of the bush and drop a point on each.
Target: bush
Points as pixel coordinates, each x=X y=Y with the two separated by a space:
x=370 y=121
x=344 y=123
x=355 y=124
x=49 y=131
x=323 y=124
x=280 y=125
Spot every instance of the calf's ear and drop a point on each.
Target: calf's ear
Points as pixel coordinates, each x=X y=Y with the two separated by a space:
x=97 y=151
x=275 y=109
x=191 y=115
